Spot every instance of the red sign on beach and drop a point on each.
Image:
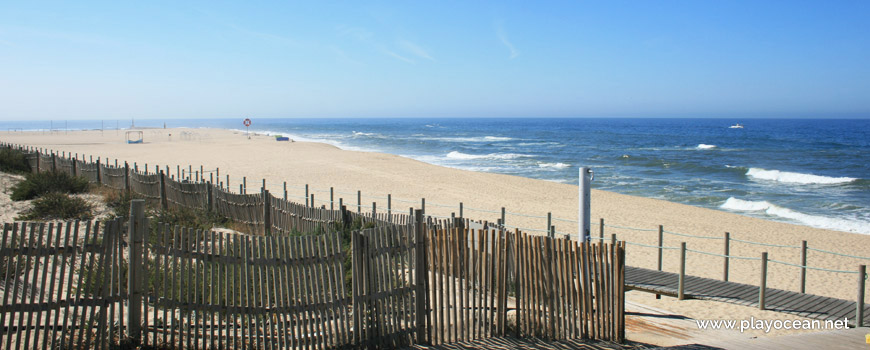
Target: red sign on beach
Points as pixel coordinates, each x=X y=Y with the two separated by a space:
x=247 y=122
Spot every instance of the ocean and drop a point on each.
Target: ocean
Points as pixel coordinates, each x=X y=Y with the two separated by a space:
x=809 y=172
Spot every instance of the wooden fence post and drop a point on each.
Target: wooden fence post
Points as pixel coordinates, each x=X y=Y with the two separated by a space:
x=136 y=237
x=661 y=248
x=267 y=213
x=681 y=294
x=727 y=253
x=126 y=176
x=359 y=202
x=762 y=288
x=389 y=207
x=163 y=202
x=460 y=210
x=601 y=229
x=859 y=309
x=306 y=196
x=209 y=197
x=803 y=266
x=99 y=172
x=38 y=158
x=53 y=161
x=74 y=170
x=421 y=274
x=549 y=224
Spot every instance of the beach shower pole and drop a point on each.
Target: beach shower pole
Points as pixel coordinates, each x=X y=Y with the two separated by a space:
x=584 y=206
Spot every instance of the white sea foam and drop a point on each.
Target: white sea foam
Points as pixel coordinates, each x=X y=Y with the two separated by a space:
x=795 y=178
x=468 y=139
x=360 y=133
x=768 y=208
x=465 y=156
x=705 y=146
x=553 y=165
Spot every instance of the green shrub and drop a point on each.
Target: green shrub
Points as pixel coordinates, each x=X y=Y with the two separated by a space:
x=189 y=218
x=35 y=185
x=61 y=206
x=13 y=161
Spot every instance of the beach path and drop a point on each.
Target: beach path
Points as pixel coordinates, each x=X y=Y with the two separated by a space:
x=801 y=304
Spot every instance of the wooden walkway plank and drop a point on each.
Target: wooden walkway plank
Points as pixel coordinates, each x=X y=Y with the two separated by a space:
x=805 y=305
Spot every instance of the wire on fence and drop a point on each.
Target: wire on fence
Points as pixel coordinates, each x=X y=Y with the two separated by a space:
x=483 y=210
x=526 y=215
x=765 y=244
x=690 y=236
x=840 y=254
x=722 y=255
x=811 y=267
x=525 y=229
x=650 y=246
x=630 y=228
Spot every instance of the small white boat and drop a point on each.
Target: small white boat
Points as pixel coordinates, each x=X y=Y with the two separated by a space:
x=736 y=126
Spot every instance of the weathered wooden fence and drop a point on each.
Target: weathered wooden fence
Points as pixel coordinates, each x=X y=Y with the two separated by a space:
x=61 y=285
x=550 y=288
x=413 y=280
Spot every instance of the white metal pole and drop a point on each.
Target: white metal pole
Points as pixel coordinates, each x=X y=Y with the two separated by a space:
x=584 y=206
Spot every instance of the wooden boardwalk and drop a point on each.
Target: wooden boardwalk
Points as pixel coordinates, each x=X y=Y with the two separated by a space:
x=805 y=305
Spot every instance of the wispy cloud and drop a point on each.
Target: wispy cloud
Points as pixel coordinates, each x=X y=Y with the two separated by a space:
x=245 y=30
x=366 y=37
x=415 y=49
x=397 y=56
x=357 y=33
x=263 y=35
x=343 y=55
x=502 y=35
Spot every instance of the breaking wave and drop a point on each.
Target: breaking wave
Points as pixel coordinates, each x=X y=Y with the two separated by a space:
x=796 y=178
x=805 y=219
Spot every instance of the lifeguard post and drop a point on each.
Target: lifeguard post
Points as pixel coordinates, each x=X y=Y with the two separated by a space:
x=136 y=136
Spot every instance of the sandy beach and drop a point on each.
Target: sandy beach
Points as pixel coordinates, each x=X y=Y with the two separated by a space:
x=322 y=166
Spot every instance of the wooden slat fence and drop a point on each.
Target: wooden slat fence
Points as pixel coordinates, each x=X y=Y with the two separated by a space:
x=246 y=209
x=32 y=159
x=415 y=278
x=219 y=290
x=60 y=284
x=384 y=289
x=45 y=162
x=186 y=194
x=559 y=290
x=113 y=177
x=87 y=170
x=65 y=165
x=288 y=217
x=146 y=185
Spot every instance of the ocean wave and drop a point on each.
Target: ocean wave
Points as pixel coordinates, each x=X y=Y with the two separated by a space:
x=796 y=178
x=554 y=165
x=469 y=139
x=806 y=219
x=705 y=146
x=360 y=133
x=465 y=156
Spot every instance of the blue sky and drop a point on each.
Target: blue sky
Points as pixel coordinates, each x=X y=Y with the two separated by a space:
x=216 y=59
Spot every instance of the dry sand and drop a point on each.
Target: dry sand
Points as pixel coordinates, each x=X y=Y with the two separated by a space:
x=323 y=166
